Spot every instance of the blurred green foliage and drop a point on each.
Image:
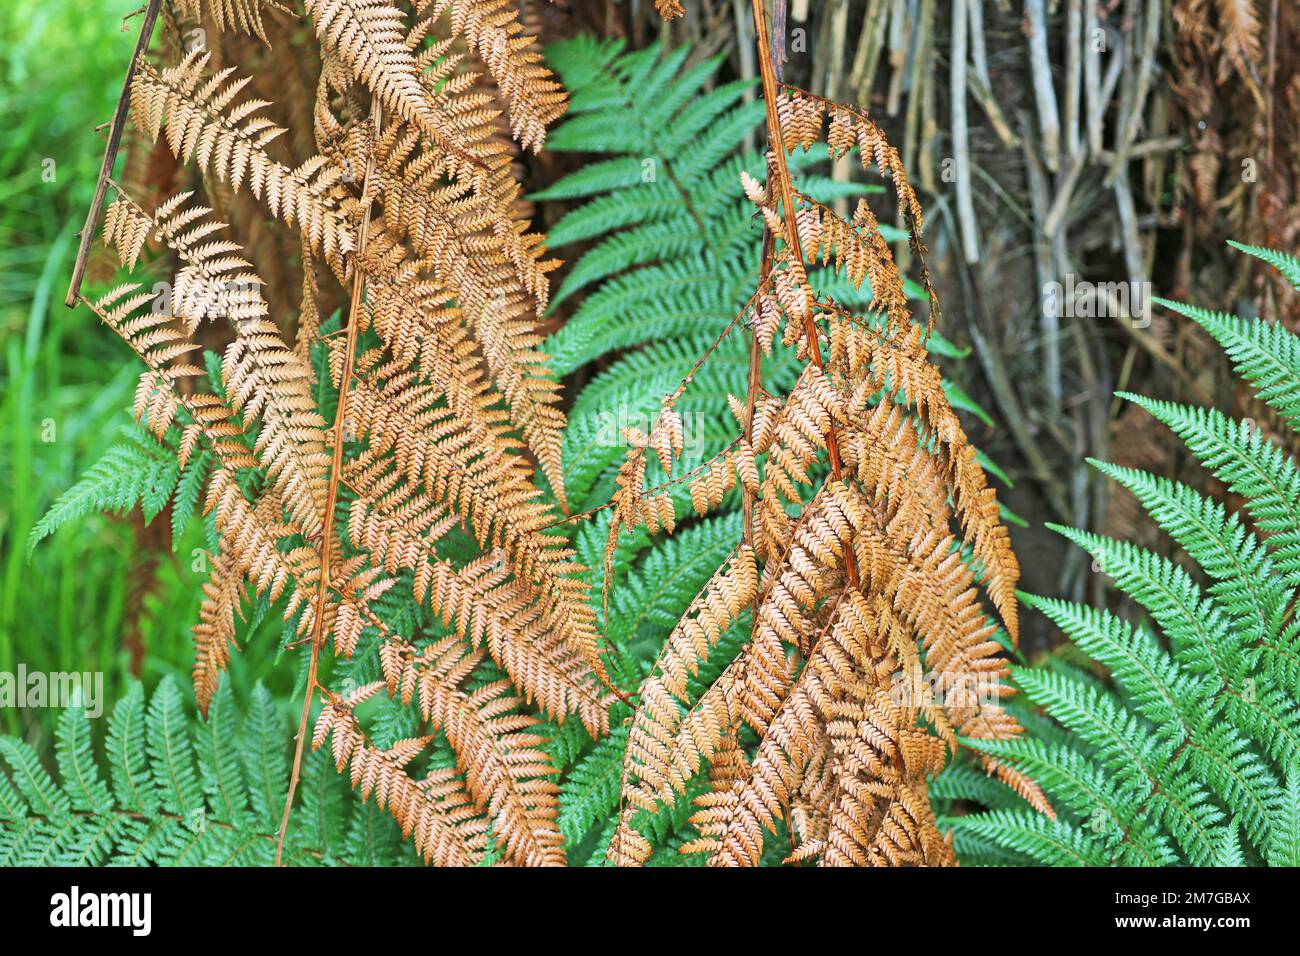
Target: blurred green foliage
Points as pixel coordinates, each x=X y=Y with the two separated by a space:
x=65 y=381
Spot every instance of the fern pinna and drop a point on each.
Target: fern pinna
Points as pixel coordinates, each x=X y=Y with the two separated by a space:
x=369 y=473
x=1193 y=756
x=799 y=674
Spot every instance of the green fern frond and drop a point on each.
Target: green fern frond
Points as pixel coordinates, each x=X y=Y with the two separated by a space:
x=1196 y=625
x=963 y=781
x=1108 y=812
x=142 y=471
x=1245 y=580
x=188 y=488
x=1231 y=853
x=1283 y=262
x=1265 y=354
x=184 y=791
x=81 y=780
x=1128 y=750
x=1249 y=464
x=1284 y=848
x=1188 y=750
x=1042 y=840
x=591 y=790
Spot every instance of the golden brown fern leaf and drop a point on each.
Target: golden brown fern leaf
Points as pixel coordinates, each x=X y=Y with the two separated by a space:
x=1242 y=39
x=397 y=175
x=870 y=649
x=436 y=810
x=475 y=252
x=492 y=30
x=241 y=15
x=370 y=37
x=196 y=115
x=669 y=9
x=507 y=774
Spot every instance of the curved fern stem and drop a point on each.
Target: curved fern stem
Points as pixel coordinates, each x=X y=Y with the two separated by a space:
x=782 y=173
x=336 y=473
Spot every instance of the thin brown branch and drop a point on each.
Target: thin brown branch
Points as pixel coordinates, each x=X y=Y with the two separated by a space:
x=110 y=155
x=336 y=471
x=781 y=169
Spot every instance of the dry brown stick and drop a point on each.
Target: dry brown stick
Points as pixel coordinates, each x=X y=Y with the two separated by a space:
x=1271 y=85
x=837 y=27
x=776 y=142
x=1114 y=70
x=1004 y=393
x=1135 y=265
x=1134 y=259
x=110 y=155
x=898 y=43
x=918 y=79
x=920 y=89
x=929 y=129
x=1142 y=86
x=871 y=41
x=960 y=143
x=979 y=56
x=1121 y=384
x=1073 y=73
x=1155 y=165
x=1125 y=61
x=336 y=474
x=746 y=48
x=980 y=84
x=1093 y=40
x=1065 y=184
x=836 y=18
x=1150 y=147
x=1049 y=320
x=1049 y=122
x=983 y=95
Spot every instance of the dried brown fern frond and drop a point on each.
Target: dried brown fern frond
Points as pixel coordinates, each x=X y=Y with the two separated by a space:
x=872 y=538
x=1236 y=82
x=373 y=481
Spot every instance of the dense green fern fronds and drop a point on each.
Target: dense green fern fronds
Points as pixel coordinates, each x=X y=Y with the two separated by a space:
x=1244 y=579
x=1023 y=835
x=181 y=790
x=1252 y=466
x=1284 y=848
x=590 y=793
x=1188 y=753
